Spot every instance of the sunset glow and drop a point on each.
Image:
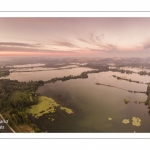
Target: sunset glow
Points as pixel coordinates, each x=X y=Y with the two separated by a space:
x=101 y=37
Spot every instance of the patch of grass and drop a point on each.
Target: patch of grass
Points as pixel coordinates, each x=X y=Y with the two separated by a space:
x=45 y=105
x=125 y=121
x=69 y=111
x=136 y=121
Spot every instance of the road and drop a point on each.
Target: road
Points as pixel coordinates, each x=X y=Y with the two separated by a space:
x=4 y=127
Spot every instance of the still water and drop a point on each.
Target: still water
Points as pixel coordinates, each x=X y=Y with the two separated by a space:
x=92 y=104
x=44 y=74
x=97 y=103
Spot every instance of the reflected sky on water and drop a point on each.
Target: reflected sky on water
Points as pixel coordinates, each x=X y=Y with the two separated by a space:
x=98 y=103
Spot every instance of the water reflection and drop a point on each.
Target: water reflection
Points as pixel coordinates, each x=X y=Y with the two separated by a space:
x=93 y=104
x=98 y=103
x=44 y=74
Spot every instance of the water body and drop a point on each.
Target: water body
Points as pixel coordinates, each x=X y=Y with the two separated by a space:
x=30 y=68
x=26 y=65
x=98 y=103
x=44 y=74
x=92 y=104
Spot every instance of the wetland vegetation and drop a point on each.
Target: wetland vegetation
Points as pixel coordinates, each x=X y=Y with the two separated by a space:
x=23 y=105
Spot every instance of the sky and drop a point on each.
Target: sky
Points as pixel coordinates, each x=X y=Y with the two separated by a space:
x=75 y=37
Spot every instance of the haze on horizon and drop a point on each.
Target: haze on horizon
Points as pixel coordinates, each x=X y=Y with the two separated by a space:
x=75 y=37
